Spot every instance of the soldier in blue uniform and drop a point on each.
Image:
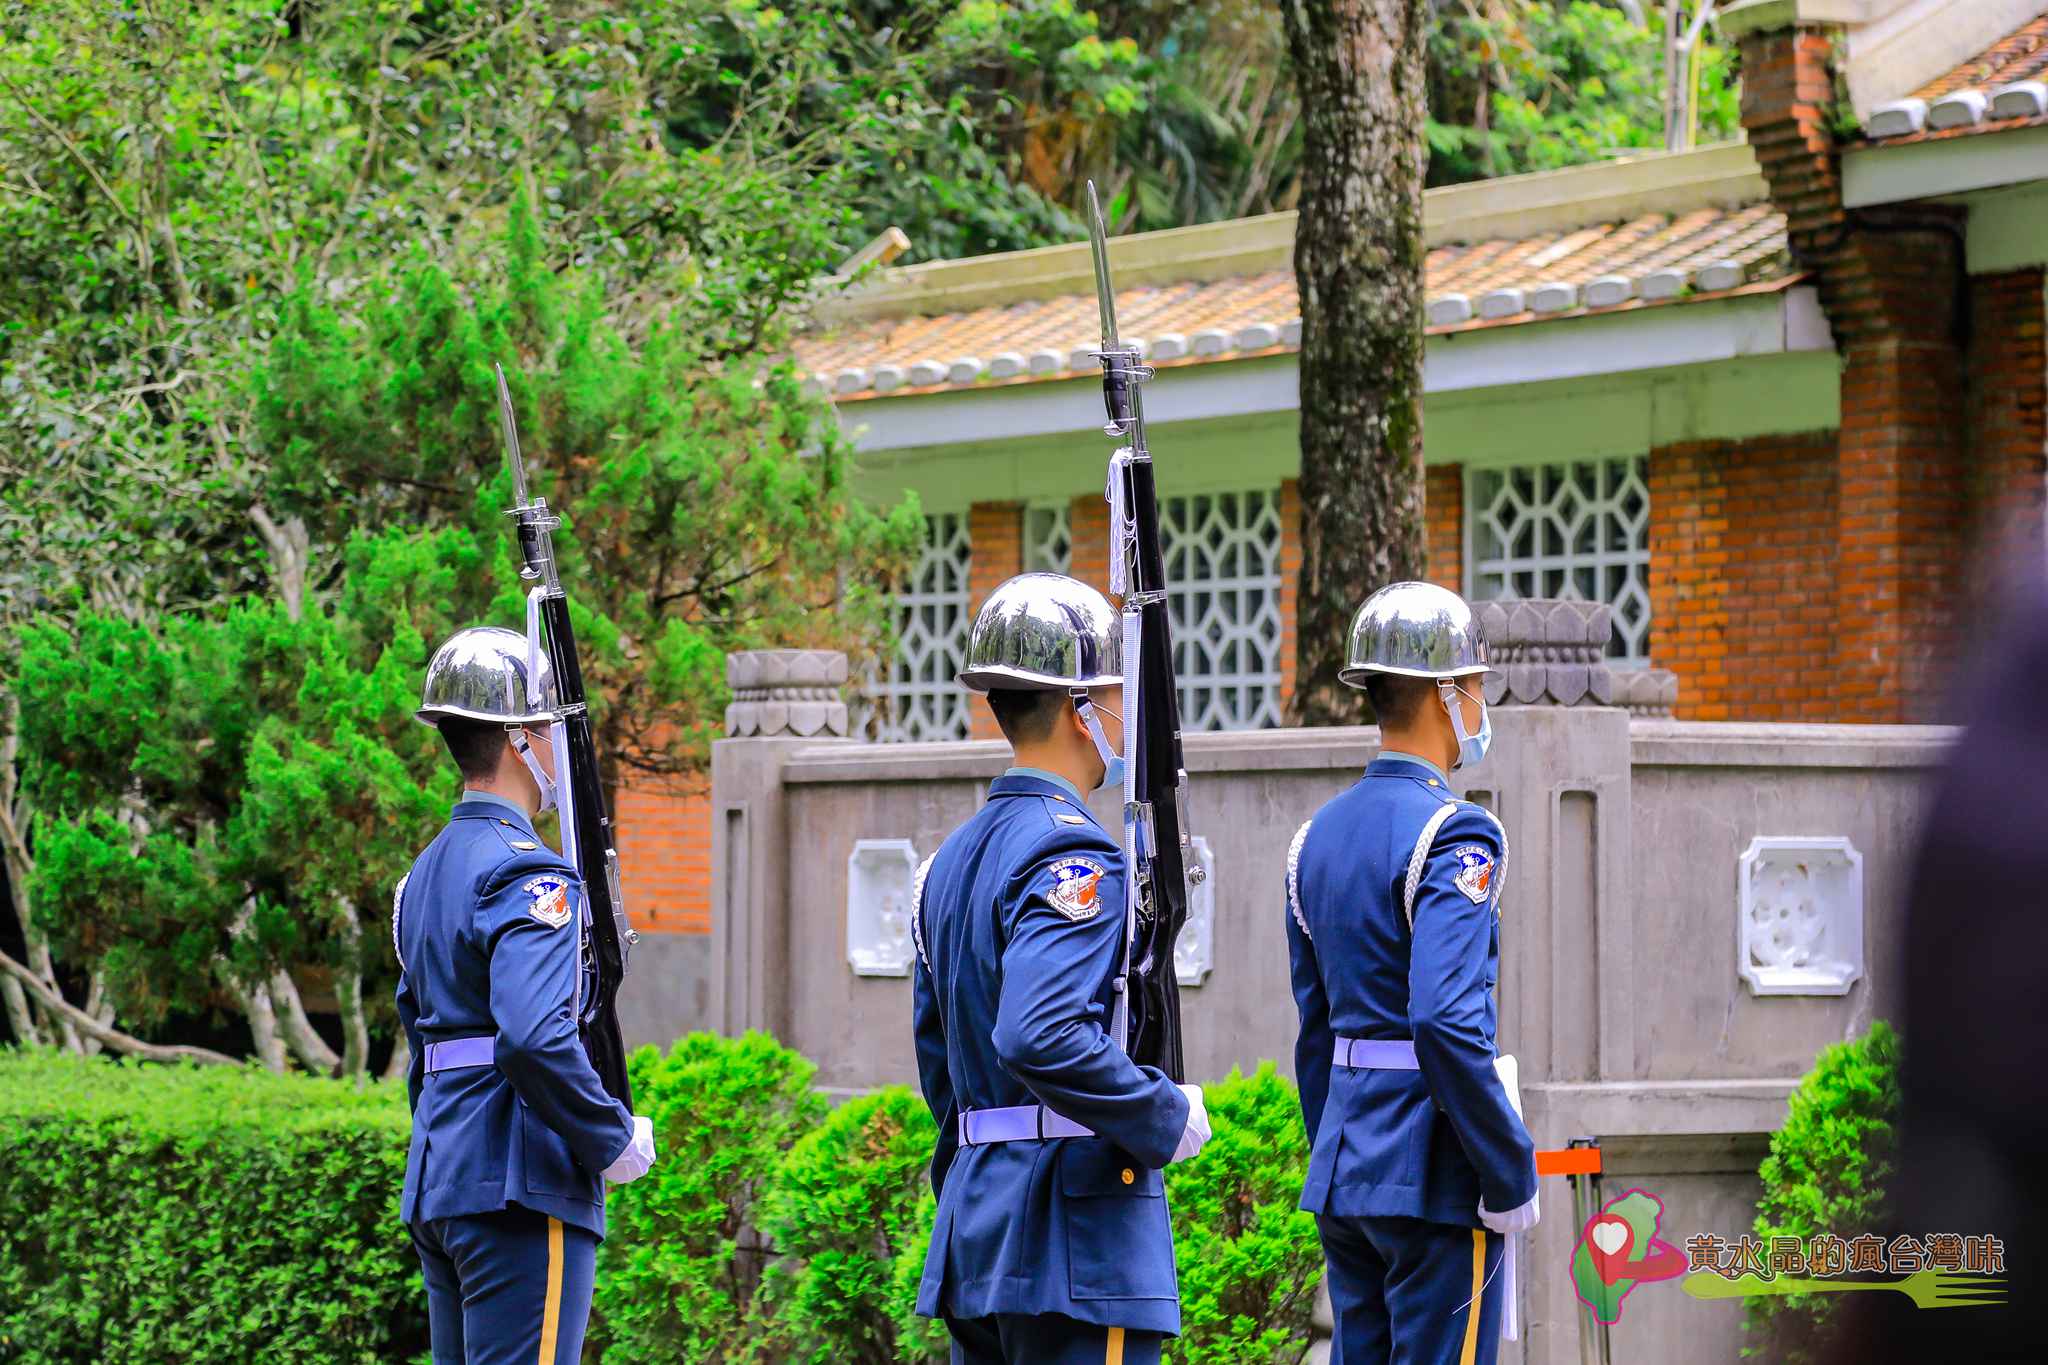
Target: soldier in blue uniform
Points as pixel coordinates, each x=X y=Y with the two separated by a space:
x=511 y=1128
x=1420 y=1169
x=1052 y=1243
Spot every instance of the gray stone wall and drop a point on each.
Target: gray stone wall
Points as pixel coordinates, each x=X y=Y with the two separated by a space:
x=1620 y=991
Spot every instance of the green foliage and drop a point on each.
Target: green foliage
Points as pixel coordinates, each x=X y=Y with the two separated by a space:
x=1827 y=1172
x=1248 y=1258
x=1537 y=85
x=683 y=1256
x=843 y=1212
x=151 y=1214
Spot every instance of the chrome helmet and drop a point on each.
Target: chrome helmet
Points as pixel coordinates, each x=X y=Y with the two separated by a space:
x=1417 y=630
x=1041 y=631
x=480 y=673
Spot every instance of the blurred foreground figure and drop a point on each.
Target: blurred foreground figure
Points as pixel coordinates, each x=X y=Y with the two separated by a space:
x=1975 y=1080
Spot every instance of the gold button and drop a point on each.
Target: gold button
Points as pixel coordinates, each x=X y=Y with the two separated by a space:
x=1129 y=1175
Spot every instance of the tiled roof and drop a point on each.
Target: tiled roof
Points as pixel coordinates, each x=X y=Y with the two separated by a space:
x=1653 y=259
x=2005 y=86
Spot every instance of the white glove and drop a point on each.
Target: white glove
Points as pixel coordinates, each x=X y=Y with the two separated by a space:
x=638 y=1156
x=1197 y=1132
x=1514 y=1220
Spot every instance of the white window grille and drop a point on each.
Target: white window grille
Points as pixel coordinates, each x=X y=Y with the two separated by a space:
x=1048 y=540
x=1222 y=553
x=1575 y=529
x=918 y=698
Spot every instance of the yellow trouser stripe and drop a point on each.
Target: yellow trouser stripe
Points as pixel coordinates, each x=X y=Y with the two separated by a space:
x=551 y=1317
x=1114 y=1355
x=1466 y=1356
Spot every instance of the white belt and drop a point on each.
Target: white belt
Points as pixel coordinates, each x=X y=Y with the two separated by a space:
x=1375 y=1054
x=1018 y=1123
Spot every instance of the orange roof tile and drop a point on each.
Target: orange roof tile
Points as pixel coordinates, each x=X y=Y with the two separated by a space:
x=1967 y=99
x=1258 y=313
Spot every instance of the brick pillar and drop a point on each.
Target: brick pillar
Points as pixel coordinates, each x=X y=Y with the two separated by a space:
x=1443 y=524
x=1088 y=527
x=2008 y=484
x=1890 y=285
x=995 y=533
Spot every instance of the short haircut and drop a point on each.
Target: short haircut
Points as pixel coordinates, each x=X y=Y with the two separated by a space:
x=474 y=745
x=1396 y=697
x=1027 y=715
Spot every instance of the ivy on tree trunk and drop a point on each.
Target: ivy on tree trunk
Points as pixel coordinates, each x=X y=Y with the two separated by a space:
x=1358 y=255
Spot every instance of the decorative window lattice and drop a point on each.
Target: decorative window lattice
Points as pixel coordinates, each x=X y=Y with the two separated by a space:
x=918 y=699
x=1048 y=540
x=1574 y=530
x=1222 y=553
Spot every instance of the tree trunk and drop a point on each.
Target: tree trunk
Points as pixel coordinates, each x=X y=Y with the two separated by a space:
x=348 y=992
x=1358 y=254
x=400 y=1061
x=262 y=1017
x=91 y=1026
x=306 y=1042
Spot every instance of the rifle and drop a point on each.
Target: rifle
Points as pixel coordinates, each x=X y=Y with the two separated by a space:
x=579 y=795
x=1156 y=841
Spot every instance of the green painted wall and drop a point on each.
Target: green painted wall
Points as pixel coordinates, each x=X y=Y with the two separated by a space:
x=1626 y=414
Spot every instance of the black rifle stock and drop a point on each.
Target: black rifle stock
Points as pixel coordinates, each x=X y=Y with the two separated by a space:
x=586 y=825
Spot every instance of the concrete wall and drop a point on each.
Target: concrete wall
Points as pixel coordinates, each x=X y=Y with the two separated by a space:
x=1619 y=988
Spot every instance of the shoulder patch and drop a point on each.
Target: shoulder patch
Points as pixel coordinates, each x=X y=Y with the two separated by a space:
x=550 y=898
x=1474 y=876
x=1076 y=883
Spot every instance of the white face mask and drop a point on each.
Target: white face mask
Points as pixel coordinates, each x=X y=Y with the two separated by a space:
x=1112 y=762
x=540 y=776
x=1471 y=747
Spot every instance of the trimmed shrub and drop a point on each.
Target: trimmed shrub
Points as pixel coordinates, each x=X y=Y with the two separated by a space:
x=682 y=1257
x=1248 y=1259
x=843 y=1211
x=1827 y=1172
x=150 y=1214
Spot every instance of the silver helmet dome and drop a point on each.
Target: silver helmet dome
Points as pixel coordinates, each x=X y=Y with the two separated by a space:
x=1417 y=630
x=480 y=674
x=1044 y=631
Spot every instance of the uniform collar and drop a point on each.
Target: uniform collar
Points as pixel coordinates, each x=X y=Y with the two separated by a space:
x=475 y=805
x=1409 y=765
x=1037 y=782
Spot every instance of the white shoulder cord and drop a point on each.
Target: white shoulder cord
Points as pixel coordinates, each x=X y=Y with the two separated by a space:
x=1294 y=878
x=917 y=910
x=1420 y=856
x=398 y=899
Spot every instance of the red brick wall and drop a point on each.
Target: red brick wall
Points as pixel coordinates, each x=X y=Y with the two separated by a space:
x=1743 y=576
x=664 y=842
x=995 y=534
x=1443 y=524
x=2008 y=484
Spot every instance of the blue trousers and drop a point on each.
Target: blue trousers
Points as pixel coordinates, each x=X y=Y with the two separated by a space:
x=1404 y=1291
x=1048 y=1339
x=506 y=1288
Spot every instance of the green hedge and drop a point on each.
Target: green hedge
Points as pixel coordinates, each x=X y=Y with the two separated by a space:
x=152 y=1214
x=1827 y=1172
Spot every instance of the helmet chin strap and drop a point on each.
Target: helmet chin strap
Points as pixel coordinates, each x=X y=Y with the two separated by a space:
x=526 y=756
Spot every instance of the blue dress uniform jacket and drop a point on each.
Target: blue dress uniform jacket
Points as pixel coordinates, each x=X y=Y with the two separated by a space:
x=1019 y=922
x=1428 y=1143
x=488 y=930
